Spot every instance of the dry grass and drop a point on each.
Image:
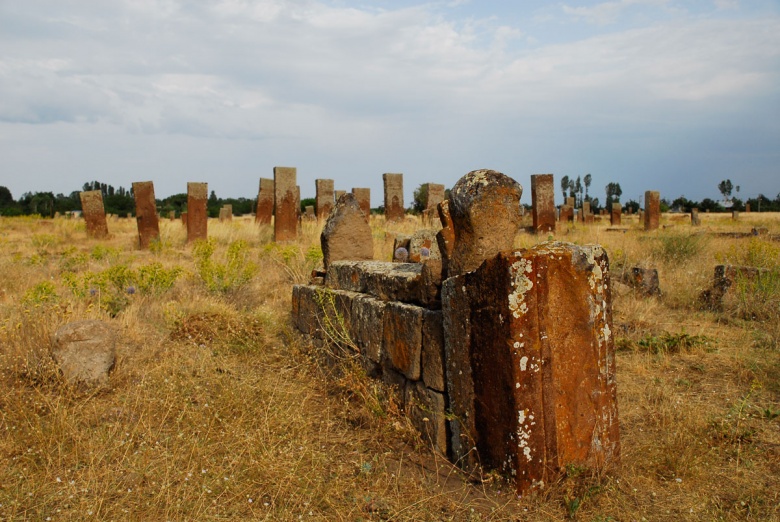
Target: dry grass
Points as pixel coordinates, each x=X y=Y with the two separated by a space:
x=217 y=410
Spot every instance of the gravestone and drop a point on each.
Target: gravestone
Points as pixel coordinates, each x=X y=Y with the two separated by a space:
x=747 y=208
x=184 y=219
x=394 y=197
x=363 y=196
x=265 y=202
x=226 y=213
x=566 y=214
x=571 y=202
x=543 y=203
x=735 y=215
x=695 y=220
x=172 y=215
x=615 y=216
x=652 y=217
x=339 y=193
x=85 y=351
x=146 y=213
x=325 y=198
x=94 y=213
x=346 y=236
x=286 y=203
x=310 y=214
x=434 y=195
x=197 y=215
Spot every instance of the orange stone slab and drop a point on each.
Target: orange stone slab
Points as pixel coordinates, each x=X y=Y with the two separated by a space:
x=146 y=213
x=197 y=216
x=94 y=213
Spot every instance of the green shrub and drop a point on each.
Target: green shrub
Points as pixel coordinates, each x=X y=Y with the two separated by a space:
x=230 y=274
x=678 y=247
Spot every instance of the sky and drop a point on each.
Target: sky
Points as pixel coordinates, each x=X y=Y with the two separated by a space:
x=664 y=95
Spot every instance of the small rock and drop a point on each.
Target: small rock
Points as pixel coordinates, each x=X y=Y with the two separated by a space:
x=85 y=351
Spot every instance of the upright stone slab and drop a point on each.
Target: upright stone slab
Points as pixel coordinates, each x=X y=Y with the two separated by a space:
x=286 y=204
x=615 y=216
x=695 y=220
x=226 y=213
x=394 y=197
x=445 y=238
x=586 y=211
x=485 y=210
x=434 y=195
x=325 y=198
x=197 y=215
x=735 y=215
x=747 y=208
x=346 y=235
x=146 y=213
x=570 y=201
x=94 y=213
x=265 y=202
x=172 y=215
x=339 y=193
x=363 y=196
x=530 y=363
x=543 y=202
x=652 y=209
x=310 y=213
x=567 y=214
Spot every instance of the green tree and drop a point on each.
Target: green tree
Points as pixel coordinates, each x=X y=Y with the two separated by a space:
x=725 y=187
x=587 y=179
x=564 y=186
x=419 y=198
x=614 y=192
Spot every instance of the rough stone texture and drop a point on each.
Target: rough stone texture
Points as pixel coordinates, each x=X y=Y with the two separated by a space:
x=531 y=375
x=430 y=279
x=310 y=214
x=423 y=238
x=543 y=202
x=94 y=213
x=435 y=195
x=184 y=218
x=85 y=351
x=286 y=205
x=363 y=196
x=445 y=238
x=385 y=280
x=368 y=314
x=338 y=194
x=402 y=338
x=695 y=220
x=485 y=210
x=146 y=213
x=735 y=215
x=325 y=198
x=567 y=214
x=226 y=213
x=615 y=215
x=346 y=235
x=724 y=279
x=643 y=280
x=394 y=197
x=197 y=215
x=652 y=209
x=265 y=202
x=586 y=211
x=307 y=315
x=433 y=351
x=427 y=410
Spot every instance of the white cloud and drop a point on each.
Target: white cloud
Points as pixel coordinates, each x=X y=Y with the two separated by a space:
x=606 y=13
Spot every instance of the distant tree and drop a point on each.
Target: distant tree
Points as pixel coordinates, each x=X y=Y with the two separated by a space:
x=564 y=186
x=307 y=202
x=587 y=179
x=614 y=192
x=682 y=204
x=631 y=206
x=6 y=198
x=711 y=205
x=419 y=198
x=578 y=191
x=725 y=188
x=594 y=205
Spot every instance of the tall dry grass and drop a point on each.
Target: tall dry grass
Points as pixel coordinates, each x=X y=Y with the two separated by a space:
x=218 y=410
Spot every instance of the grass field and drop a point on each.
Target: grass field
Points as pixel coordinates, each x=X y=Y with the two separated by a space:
x=218 y=410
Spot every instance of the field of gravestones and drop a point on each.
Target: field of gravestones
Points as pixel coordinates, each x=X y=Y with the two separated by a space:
x=218 y=409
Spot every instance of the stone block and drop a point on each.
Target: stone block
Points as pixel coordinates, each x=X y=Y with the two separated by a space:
x=427 y=410
x=531 y=374
x=368 y=315
x=567 y=214
x=644 y=280
x=445 y=238
x=695 y=220
x=94 y=213
x=286 y=204
x=325 y=198
x=146 y=213
x=197 y=215
x=723 y=280
x=310 y=214
x=384 y=280
x=402 y=338
x=85 y=351
x=543 y=203
x=265 y=202
x=652 y=217
x=346 y=236
x=401 y=248
x=423 y=239
x=363 y=196
x=430 y=280
x=394 y=197
x=433 y=350
x=434 y=194
x=615 y=215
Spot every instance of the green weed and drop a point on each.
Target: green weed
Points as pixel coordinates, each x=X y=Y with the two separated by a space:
x=234 y=272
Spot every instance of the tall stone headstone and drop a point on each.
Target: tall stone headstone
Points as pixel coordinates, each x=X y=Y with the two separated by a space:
x=325 y=198
x=434 y=195
x=570 y=201
x=567 y=214
x=735 y=215
x=226 y=213
x=695 y=220
x=394 y=197
x=94 y=213
x=485 y=209
x=146 y=213
x=615 y=216
x=287 y=204
x=652 y=209
x=543 y=202
x=265 y=202
x=363 y=196
x=747 y=208
x=346 y=236
x=197 y=214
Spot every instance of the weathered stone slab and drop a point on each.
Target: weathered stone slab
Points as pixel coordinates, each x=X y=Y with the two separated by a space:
x=286 y=204
x=394 y=197
x=695 y=220
x=85 y=351
x=723 y=280
x=423 y=245
x=485 y=210
x=643 y=280
x=310 y=214
x=434 y=195
x=346 y=235
x=735 y=215
x=445 y=238
x=368 y=314
x=615 y=215
x=531 y=375
x=433 y=350
x=265 y=202
x=543 y=202
x=226 y=213
x=384 y=280
x=363 y=196
x=197 y=215
x=146 y=213
x=427 y=410
x=94 y=213
x=402 y=338
x=325 y=198
x=652 y=217
x=566 y=214
x=338 y=194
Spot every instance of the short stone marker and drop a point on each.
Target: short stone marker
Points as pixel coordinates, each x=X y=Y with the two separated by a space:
x=723 y=280
x=543 y=203
x=85 y=351
x=695 y=220
x=363 y=196
x=94 y=213
x=644 y=280
x=346 y=235
x=172 y=215
x=434 y=195
x=310 y=214
x=287 y=204
x=652 y=217
x=325 y=198
x=265 y=202
x=197 y=216
x=226 y=213
x=615 y=215
x=146 y=213
x=566 y=214
x=394 y=196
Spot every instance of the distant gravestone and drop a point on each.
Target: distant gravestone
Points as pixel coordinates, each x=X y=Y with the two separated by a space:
x=197 y=216
x=310 y=214
x=94 y=213
x=85 y=351
x=567 y=214
x=226 y=213
x=146 y=213
x=184 y=219
x=434 y=195
x=394 y=197
x=747 y=208
x=325 y=198
x=287 y=204
x=172 y=215
x=695 y=220
x=735 y=215
x=543 y=203
x=346 y=236
x=652 y=209
x=363 y=196
x=265 y=202
x=339 y=193
x=615 y=216
x=445 y=238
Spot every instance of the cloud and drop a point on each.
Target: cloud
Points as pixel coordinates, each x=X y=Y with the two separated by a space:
x=606 y=13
